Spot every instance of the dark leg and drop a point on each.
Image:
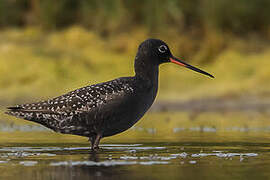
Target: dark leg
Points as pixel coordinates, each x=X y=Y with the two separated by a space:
x=92 y=141
x=96 y=142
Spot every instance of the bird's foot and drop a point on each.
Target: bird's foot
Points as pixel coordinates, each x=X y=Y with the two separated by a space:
x=95 y=142
x=95 y=149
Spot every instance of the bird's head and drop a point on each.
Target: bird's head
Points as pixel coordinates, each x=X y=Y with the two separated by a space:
x=157 y=52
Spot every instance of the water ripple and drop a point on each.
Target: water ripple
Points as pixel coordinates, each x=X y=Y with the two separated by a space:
x=105 y=163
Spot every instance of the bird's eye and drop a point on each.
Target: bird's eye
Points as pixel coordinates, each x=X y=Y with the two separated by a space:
x=162 y=48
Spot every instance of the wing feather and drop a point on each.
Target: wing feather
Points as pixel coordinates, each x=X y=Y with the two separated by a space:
x=78 y=112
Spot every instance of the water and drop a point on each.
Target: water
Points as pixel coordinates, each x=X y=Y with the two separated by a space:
x=161 y=146
x=159 y=160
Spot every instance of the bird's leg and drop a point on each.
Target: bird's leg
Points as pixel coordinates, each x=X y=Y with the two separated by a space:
x=96 y=141
x=92 y=140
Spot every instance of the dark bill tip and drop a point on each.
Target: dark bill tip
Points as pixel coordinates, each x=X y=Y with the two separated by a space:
x=181 y=63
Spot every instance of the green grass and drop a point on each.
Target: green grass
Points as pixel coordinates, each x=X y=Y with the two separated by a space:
x=112 y=17
x=36 y=65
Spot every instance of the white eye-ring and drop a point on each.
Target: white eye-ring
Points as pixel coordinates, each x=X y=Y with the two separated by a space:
x=162 y=48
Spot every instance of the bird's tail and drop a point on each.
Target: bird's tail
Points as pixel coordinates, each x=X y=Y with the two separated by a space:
x=32 y=115
x=19 y=112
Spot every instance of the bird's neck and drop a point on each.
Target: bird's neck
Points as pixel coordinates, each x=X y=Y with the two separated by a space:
x=147 y=71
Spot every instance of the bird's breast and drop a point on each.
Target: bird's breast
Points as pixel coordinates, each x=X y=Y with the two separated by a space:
x=130 y=110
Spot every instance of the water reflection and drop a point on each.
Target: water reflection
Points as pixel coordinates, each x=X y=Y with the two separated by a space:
x=137 y=161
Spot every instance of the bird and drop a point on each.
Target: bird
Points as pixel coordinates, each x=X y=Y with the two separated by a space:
x=105 y=109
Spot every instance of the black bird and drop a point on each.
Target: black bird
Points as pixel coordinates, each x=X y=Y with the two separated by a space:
x=108 y=108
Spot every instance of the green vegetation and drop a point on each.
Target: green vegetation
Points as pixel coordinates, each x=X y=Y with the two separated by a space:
x=108 y=17
x=37 y=65
x=50 y=47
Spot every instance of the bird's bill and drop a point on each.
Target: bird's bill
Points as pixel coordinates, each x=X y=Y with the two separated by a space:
x=181 y=63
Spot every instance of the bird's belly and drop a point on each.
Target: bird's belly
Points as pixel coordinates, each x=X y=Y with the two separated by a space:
x=127 y=115
x=118 y=127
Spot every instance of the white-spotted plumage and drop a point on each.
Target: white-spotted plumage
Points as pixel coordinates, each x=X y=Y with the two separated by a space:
x=70 y=112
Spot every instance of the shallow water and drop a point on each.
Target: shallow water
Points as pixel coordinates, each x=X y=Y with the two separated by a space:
x=160 y=160
x=161 y=146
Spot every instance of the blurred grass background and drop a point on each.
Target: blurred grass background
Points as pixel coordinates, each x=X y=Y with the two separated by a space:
x=48 y=47
x=51 y=47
